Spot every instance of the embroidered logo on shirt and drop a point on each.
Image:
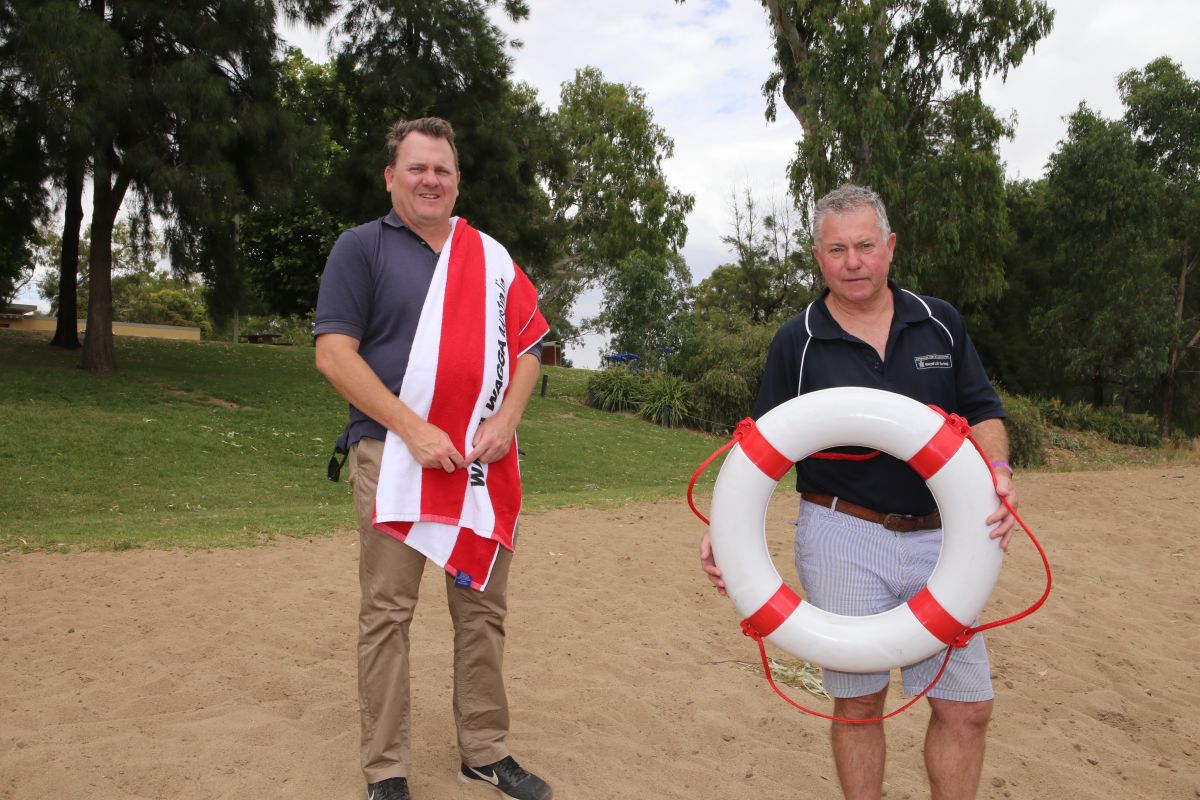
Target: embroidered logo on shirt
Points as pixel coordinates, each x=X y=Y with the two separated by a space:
x=462 y=579
x=934 y=361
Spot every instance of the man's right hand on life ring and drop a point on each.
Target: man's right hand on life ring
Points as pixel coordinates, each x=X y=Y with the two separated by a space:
x=709 y=565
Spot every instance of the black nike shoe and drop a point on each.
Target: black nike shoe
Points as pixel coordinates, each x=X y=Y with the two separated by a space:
x=390 y=789
x=507 y=778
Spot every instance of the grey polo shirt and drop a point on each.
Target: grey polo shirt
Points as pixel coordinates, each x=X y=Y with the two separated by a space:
x=373 y=288
x=929 y=357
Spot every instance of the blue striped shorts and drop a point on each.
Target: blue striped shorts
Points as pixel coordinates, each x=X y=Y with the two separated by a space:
x=853 y=567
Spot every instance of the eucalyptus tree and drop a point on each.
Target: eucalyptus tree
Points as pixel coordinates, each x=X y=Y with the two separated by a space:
x=623 y=222
x=771 y=278
x=888 y=94
x=1108 y=312
x=1162 y=110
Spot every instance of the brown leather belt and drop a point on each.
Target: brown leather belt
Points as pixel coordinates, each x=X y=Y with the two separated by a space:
x=901 y=523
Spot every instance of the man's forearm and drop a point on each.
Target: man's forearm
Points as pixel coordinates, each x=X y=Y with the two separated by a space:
x=520 y=388
x=992 y=438
x=338 y=360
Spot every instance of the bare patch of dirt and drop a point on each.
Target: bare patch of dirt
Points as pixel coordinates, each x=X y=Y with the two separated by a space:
x=207 y=399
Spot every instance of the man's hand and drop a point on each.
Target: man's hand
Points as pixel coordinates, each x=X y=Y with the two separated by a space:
x=338 y=360
x=431 y=447
x=1004 y=521
x=709 y=565
x=493 y=439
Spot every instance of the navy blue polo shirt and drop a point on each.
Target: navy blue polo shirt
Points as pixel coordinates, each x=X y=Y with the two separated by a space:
x=929 y=357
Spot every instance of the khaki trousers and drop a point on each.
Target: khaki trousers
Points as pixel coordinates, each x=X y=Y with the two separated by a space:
x=390 y=578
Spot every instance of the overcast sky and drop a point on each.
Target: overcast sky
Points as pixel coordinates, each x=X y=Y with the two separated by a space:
x=702 y=64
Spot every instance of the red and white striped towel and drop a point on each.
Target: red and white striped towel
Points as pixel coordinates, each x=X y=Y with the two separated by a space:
x=479 y=317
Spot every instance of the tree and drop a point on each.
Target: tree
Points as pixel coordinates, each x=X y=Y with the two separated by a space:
x=1162 y=109
x=141 y=292
x=400 y=59
x=642 y=305
x=1017 y=358
x=23 y=173
x=887 y=94
x=619 y=213
x=65 y=56
x=169 y=99
x=47 y=257
x=1109 y=311
x=773 y=276
x=283 y=238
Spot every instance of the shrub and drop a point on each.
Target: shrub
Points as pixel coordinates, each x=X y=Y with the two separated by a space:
x=663 y=400
x=1111 y=423
x=612 y=389
x=720 y=399
x=1026 y=439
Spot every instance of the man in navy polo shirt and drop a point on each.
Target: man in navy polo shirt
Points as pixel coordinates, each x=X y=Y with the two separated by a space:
x=868 y=534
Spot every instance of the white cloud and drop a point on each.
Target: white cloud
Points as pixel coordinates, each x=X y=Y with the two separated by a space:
x=1091 y=44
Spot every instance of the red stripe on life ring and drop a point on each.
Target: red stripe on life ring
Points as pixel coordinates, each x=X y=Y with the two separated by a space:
x=937 y=620
x=937 y=451
x=774 y=612
x=763 y=454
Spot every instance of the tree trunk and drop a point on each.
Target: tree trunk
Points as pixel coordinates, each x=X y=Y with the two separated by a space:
x=1175 y=357
x=98 y=352
x=66 y=332
x=1168 y=395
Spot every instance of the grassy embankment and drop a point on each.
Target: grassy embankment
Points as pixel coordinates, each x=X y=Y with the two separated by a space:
x=211 y=444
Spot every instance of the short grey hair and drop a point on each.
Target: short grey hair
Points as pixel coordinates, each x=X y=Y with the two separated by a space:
x=847 y=198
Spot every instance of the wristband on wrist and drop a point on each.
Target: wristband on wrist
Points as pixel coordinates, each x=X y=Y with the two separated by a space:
x=1003 y=464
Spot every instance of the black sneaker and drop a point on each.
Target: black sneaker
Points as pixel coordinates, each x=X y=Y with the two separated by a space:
x=507 y=778
x=390 y=789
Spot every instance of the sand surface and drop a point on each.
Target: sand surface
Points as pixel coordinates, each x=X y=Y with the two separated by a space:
x=231 y=674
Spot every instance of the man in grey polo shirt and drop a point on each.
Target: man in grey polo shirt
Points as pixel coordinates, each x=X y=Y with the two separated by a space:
x=370 y=303
x=868 y=534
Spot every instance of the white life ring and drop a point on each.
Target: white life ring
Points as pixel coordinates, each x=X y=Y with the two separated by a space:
x=937 y=449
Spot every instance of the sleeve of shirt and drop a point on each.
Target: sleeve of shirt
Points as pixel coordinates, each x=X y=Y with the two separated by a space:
x=525 y=319
x=344 y=298
x=781 y=375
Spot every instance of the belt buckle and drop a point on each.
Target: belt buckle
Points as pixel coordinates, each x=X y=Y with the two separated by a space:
x=891 y=520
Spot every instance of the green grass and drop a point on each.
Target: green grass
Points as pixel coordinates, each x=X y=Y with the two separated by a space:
x=212 y=444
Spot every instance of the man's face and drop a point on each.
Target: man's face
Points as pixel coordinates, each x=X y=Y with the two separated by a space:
x=853 y=255
x=423 y=181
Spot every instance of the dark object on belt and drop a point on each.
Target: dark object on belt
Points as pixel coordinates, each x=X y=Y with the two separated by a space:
x=902 y=523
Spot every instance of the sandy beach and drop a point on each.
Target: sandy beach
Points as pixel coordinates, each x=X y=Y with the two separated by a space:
x=231 y=673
